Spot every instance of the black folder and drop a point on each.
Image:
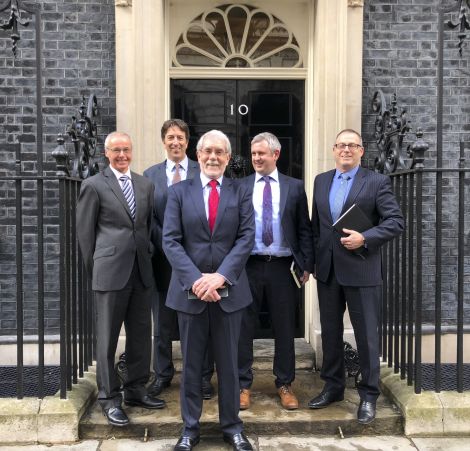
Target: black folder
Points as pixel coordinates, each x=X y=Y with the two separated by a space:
x=354 y=219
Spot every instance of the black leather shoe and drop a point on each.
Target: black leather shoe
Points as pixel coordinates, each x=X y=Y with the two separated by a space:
x=186 y=443
x=324 y=399
x=157 y=386
x=116 y=416
x=238 y=441
x=147 y=402
x=366 y=412
x=207 y=389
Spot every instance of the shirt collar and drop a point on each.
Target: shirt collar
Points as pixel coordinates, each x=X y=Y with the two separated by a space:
x=120 y=174
x=351 y=173
x=170 y=164
x=205 y=180
x=274 y=175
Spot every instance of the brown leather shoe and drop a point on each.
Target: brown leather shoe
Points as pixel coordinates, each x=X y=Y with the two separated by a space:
x=245 y=398
x=288 y=399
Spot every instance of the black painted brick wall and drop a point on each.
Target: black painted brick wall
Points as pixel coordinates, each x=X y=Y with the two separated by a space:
x=78 y=60
x=400 y=56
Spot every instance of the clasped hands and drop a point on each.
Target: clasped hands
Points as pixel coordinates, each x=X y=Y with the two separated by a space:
x=354 y=240
x=205 y=288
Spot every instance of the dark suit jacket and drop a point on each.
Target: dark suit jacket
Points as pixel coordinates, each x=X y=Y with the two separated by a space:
x=373 y=193
x=192 y=250
x=109 y=239
x=157 y=174
x=295 y=221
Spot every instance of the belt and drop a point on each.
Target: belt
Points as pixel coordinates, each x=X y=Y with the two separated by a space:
x=267 y=258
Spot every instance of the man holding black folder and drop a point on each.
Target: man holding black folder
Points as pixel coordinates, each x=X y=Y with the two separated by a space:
x=283 y=237
x=348 y=266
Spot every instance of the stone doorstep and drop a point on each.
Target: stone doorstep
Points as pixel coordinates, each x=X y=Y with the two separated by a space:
x=265 y=417
x=428 y=413
x=48 y=420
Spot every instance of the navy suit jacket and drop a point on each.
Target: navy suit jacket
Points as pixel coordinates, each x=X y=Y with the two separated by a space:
x=192 y=250
x=295 y=221
x=157 y=175
x=109 y=239
x=372 y=192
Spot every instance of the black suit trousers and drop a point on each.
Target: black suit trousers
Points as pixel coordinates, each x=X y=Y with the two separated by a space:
x=270 y=281
x=130 y=306
x=165 y=322
x=197 y=331
x=364 y=305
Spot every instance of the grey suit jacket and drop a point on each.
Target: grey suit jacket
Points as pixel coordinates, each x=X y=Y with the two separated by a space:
x=373 y=193
x=295 y=221
x=192 y=249
x=157 y=175
x=110 y=241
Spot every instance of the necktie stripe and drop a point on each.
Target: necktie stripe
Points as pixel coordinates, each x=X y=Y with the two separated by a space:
x=128 y=193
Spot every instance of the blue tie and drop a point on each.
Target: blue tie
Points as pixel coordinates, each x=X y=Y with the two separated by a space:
x=128 y=193
x=340 y=197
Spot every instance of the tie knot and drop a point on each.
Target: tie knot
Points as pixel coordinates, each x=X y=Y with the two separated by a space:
x=213 y=183
x=123 y=178
x=344 y=177
x=266 y=178
x=177 y=166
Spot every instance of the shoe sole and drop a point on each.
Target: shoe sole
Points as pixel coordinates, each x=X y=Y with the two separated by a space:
x=144 y=407
x=366 y=422
x=326 y=405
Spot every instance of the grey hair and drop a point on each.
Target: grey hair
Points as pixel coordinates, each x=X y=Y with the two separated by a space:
x=273 y=142
x=113 y=135
x=215 y=134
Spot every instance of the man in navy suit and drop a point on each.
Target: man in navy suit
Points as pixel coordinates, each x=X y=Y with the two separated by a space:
x=177 y=167
x=346 y=278
x=283 y=235
x=208 y=233
x=114 y=214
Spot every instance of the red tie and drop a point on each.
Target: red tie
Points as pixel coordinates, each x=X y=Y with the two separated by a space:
x=213 y=203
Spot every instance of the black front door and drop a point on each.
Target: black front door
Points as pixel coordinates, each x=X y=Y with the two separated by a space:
x=242 y=109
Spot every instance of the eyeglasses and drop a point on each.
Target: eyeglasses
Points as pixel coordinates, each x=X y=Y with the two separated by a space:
x=208 y=152
x=351 y=146
x=118 y=150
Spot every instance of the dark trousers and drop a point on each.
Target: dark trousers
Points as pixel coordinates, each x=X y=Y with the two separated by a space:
x=130 y=306
x=196 y=332
x=165 y=322
x=270 y=281
x=363 y=305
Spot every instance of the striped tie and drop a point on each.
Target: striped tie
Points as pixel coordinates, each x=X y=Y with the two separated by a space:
x=128 y=193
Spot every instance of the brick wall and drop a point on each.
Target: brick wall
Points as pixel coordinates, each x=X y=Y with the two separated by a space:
x=78 y=60
x=400 y=57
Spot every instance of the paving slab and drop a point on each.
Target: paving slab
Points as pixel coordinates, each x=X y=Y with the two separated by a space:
x=89 y=445
x=265 y=417
x=442 y=444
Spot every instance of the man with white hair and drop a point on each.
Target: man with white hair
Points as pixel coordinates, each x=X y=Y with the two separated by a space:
x=208 y=233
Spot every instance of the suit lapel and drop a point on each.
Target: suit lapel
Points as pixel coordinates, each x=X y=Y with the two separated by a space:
x=197 y=195
x=139 y=195
x=113 y=183
x=284 y=192
x=324 y=192
x=226 y=190
x=192 y=169
x=356 y=188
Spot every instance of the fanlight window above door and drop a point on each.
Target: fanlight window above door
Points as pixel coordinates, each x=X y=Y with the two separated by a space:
x=237 y=36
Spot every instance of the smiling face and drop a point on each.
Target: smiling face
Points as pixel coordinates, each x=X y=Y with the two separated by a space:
x=263 y=158
x=119 y=152
x=347 y=158
x=213 y=157
x=176 y=143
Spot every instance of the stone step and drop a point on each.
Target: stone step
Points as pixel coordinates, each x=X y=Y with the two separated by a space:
x=265 y=417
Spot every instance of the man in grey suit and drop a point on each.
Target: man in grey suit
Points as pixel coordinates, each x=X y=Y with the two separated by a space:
x=114 y=214
x=177 y=167
x=208 y=233
x=283 y=235
x=348 y=268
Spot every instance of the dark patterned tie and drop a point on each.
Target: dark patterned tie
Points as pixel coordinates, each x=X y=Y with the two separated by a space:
x=267 y=232
x=128 y=193
x=339 y=198
x=213 y=203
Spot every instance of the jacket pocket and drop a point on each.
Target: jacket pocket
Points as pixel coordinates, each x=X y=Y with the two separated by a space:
x=104 y=252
